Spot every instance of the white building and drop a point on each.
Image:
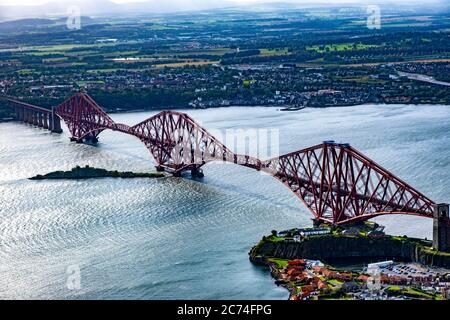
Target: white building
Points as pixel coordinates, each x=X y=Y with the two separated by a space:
x=314 y=232
x=382 y=264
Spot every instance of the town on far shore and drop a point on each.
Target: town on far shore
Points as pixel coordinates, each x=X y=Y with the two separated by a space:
x=293 y=57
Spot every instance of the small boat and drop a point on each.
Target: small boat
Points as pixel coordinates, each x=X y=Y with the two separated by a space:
x=293 y=108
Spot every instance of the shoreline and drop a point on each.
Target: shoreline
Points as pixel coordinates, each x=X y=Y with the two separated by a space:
x=87 y=172
x=272 y=106
x=113 y=111
x=307 y=265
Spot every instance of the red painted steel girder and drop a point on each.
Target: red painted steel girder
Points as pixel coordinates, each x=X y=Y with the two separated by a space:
x=178 y=143
x=339 y=185
x=336 y=182
x=84 y=117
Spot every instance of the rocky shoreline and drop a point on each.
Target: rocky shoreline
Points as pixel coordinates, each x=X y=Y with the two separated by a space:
x=302 y=261
x=356 y=248
x=79 y=173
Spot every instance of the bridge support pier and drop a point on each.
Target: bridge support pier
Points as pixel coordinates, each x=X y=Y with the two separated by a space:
x=317 y=222
x=45 y=121
x=30 y=117
x=177 y=174
x=73 y=139
x=441 y=228
x=197 y=173
x=36 y=118
x=40 y=120
x=26 y=114
x=19 y=112
x=54 y=122
x=91 y=138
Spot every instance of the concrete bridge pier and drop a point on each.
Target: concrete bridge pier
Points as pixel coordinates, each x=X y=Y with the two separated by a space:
x=30 y=117
x=36 y=118
x=91 y=138
x=27 y=117
x=73 y=139
x=20 y=113
x=197 y=172
x=45 y=121
x=55 y=122
x=316 y=222
x=441 y=228
x=41 y=120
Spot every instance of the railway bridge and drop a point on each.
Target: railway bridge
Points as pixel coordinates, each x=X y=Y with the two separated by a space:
x=336 y=182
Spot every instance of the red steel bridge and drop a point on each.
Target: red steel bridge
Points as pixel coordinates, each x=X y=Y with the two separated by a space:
x=336 y=182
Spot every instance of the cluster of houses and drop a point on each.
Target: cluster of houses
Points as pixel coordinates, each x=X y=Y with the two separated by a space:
x=311 y=278
x=297 y=270
x=220 y=85
x=427 y=68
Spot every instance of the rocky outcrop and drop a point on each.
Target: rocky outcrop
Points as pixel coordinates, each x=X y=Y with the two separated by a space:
x=87 y=172
x=332 y=248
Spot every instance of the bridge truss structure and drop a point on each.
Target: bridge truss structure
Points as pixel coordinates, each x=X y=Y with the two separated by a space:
x=336 y=182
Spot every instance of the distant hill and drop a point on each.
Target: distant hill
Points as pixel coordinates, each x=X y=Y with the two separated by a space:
x=24 y=24
x=106 y=7
x=109 y=8
x=58 y=9
x=35 y=23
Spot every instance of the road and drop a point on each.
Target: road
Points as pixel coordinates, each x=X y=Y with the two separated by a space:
x=422 y=77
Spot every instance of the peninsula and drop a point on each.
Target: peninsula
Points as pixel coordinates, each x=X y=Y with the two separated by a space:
x=356 y=262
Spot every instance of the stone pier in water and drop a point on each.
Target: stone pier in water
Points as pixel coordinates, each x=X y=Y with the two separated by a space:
x=36 y=116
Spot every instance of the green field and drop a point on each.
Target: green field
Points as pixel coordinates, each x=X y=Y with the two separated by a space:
x=341 y=47
x=274 y=52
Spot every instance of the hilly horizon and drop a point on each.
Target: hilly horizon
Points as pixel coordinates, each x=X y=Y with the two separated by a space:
x=107 y=7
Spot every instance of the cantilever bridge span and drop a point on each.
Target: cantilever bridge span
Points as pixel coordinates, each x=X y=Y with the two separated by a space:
x=337 y=183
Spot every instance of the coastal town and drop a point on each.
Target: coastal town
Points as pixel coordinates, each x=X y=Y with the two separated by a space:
x=243 y=85
x=363 y=275
x=240 y=59
x=388 y=280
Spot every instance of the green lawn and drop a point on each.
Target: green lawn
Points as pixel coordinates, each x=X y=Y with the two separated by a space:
x=413 y=292
x=275 y=238
x=336 y=282
x=279 y=263
x=394 y=288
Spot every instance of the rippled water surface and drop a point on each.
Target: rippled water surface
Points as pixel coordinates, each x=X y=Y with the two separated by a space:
x=177 y=237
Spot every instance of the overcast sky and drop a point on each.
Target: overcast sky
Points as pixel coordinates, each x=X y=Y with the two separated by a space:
x=36 y=2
